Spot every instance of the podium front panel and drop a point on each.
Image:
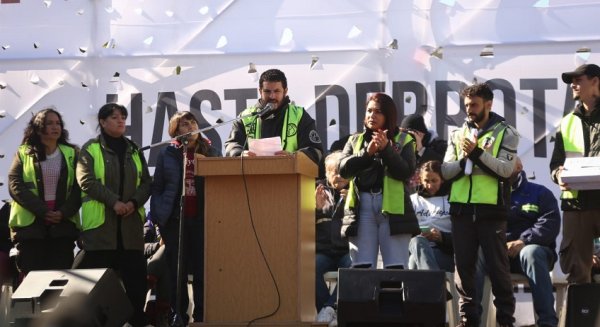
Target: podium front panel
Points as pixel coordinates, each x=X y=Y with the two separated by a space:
x=238 y=284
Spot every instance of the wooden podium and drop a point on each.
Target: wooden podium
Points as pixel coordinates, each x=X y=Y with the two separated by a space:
x=238 y=284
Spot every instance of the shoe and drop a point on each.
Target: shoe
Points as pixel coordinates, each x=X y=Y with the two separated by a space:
x=464 y=323
x=327 y=314
x=334 y=323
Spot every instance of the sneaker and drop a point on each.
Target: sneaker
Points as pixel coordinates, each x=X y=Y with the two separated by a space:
x=327 y=314
x=464 y=323
x=334 y=323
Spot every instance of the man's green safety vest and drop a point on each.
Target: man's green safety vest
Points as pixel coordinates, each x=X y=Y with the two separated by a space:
x=479 y=187
x=289 y=131
x=93 y=211
x=393 y=189
x=572 y=137
x=20 y=216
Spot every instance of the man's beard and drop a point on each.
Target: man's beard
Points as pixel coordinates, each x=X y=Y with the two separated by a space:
x=478 y=118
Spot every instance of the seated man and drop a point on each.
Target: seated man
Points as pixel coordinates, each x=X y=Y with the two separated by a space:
x=332 y=250
x=532 y=227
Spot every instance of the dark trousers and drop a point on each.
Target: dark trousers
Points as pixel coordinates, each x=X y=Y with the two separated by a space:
x=193 y=263
x=489 y=233
x=45 y=254
x=130 y=265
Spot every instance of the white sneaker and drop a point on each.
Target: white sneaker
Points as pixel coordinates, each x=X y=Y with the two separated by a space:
x=327 y=314
x=333 y=323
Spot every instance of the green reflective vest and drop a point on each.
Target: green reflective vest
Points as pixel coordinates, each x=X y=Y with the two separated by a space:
x=20 y=216
x=572 y=137
x=289 y=131
x=393 y=189
x=92 y=211
x=479 y=187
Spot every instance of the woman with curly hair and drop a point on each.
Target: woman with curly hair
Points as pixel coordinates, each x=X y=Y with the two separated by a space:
x=46 y=198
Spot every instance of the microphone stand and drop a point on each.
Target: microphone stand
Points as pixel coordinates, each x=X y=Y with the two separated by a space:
x=184 y=139
x=261 y=113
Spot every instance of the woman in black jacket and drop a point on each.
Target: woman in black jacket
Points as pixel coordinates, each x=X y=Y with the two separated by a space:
x=165 y=208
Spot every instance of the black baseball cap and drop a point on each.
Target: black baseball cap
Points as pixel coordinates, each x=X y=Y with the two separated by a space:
x=590 y=70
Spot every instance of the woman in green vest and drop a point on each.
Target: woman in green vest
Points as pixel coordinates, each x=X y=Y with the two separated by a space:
x=379 y=215
x=115 y=184
x=46 y=197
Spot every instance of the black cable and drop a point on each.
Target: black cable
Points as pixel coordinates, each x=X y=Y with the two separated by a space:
x=264 y=257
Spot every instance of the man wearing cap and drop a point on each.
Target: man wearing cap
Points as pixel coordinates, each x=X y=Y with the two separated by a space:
x=428 y=145
x=579 y=136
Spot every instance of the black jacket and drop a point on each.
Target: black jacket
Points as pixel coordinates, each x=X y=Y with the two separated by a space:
x=435 y=149
x=398 y=161
x=591 y=135
x=309 y=141
x=329 y=225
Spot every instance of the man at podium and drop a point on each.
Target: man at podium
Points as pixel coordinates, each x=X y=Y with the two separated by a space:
x=278 y=117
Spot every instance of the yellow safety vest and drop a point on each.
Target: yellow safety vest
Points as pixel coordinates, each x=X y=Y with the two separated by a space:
x=393 y=189
x=93 y=211
x=289 y=131
x=19 y=215
x=571 y=130
x=479 y=187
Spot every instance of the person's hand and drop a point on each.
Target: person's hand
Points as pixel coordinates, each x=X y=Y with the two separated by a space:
x=514 y=247
x=344 y=192
x=372 y=147
x=434 y=235
x=130 y=208
x=563 y=186
x=283 y=153
x=321 y=197
x=378 y=142
x=467 y=145
x=418 y=136
x=381 y=139
x=595 y=261
x=120 y=208
x=248 y=153
x=53 y=216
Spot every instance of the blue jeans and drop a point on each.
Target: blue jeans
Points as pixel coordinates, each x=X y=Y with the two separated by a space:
x=374 y=235
x=425 y=257
x=535 y=262
x=324 y=264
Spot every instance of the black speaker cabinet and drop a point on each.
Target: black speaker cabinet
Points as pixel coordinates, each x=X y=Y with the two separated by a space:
x=70 y=298
x=390 y=297
x=583 y=304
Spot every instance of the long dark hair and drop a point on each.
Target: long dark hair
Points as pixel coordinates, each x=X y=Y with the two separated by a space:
x=388 y=108
x=37 y=125
x=202 y=145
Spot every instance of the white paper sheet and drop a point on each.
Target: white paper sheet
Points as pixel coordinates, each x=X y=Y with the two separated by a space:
x=265 y=147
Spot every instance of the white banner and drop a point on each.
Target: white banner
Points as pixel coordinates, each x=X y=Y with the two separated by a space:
x=156 y=57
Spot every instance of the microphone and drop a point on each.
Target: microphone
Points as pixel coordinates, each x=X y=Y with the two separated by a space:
x=469 y=163
x=266 y=110
x=337 y=206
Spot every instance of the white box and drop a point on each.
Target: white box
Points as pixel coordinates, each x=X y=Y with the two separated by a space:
x=582 y=173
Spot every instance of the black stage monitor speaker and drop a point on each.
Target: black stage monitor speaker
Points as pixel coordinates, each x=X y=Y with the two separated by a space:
x=70 y=298
x=390 y=297
x=583 y=305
